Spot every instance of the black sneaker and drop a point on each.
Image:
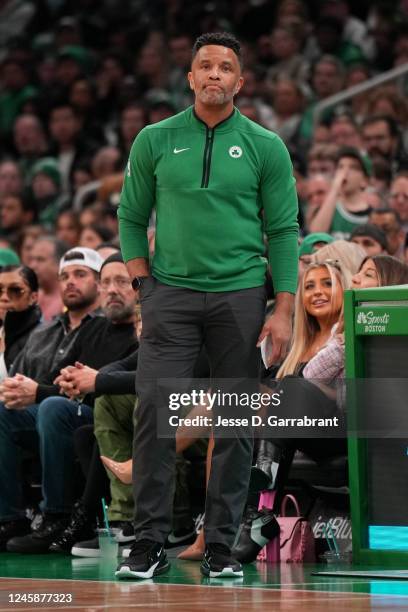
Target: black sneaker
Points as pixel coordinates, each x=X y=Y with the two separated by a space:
x=146 y=559
x=124 y=534
x=124 y=531
x=41 y=537
x=259 y=528
x=79 y=528
x=182 y=537
x=219 y=563
x=88 y=548
x=10 y=529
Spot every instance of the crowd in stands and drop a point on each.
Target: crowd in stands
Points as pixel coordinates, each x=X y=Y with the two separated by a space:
x=77 y=84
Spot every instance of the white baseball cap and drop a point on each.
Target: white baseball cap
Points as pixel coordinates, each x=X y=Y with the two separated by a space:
x=81 y=256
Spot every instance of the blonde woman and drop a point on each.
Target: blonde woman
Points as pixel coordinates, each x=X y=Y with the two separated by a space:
x=318 y=308
x=324 y=369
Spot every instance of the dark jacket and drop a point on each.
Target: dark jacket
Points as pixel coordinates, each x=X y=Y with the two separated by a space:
x=118 y=377
x=17 y=328
x=48 y=345
x=99 y=342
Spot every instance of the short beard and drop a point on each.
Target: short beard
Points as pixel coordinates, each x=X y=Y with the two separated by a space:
x=79 y=303
x=119 y=314
x=215 y=98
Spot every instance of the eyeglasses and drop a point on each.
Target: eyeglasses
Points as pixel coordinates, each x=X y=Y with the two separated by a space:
x=118 y=281
x=13 y=293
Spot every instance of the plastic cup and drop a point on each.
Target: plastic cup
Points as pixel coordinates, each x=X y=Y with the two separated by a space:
x=107 y=544
x=333 y=558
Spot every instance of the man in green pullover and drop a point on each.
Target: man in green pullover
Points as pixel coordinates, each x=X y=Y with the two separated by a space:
x=218 y=182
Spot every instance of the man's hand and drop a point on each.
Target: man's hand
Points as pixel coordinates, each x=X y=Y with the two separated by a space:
x=76 y=380
x=18 y=392
x=339 y=179
x=279 y=327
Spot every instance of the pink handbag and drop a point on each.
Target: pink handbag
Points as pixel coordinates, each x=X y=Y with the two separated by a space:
x=296 y=541
x=296 y=536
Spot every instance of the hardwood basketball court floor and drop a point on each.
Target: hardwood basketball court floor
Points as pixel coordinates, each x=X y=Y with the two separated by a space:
x=91 y=585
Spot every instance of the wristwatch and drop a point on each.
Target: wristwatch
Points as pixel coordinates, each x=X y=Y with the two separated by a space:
x=137 y=282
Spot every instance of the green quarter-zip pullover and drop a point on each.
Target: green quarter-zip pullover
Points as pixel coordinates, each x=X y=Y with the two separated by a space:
x=216 y=191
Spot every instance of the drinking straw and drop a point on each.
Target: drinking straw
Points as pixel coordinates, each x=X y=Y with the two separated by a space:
x=328 y=539
x=336 y=546
x=105 y=517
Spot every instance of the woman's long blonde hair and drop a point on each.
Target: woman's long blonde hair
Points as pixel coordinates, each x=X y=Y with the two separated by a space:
x=305 y=326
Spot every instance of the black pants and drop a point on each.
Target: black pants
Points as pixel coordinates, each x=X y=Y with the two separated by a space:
x=96 y=480
x=301 y=397
x=176 y=323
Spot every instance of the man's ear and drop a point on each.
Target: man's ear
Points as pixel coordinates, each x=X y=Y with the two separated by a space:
x=238 y=85
x=191 y=80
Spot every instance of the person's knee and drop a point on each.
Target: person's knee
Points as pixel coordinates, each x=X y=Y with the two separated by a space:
x=53 y=412
x=101 y=407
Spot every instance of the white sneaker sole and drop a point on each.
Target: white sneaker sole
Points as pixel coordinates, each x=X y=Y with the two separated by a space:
x=227 y=572
x=86 y=552
x=126 y=572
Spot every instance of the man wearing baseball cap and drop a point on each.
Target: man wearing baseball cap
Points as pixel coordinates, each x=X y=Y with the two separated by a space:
x=312 y=242
x=309 y=245
x=82 y=334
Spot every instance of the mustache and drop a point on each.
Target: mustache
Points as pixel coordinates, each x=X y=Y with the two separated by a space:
x=72 y=291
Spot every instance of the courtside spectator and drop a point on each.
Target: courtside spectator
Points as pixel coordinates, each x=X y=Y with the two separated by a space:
x=19 y=311
x=81 y=334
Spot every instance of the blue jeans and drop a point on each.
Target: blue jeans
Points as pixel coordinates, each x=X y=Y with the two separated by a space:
x=49 y=426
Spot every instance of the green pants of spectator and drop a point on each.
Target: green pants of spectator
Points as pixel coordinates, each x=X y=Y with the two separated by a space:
x=113 y=418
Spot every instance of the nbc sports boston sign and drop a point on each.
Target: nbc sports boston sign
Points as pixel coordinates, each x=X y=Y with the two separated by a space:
x=380 y=320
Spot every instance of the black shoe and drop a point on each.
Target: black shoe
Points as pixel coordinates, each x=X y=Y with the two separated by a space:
x=124 y=531
x=124 y=534
x=88 y=548
x=10 y=529
x=41 y=537
x=146 y=559
x=263 y=474
x=259 y=528
x=219 y=563
x=183 y=537
x=79 y=528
